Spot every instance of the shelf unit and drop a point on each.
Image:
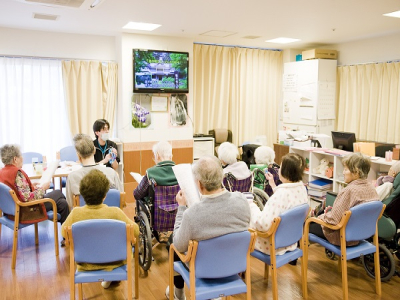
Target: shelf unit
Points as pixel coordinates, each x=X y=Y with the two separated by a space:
x=314 y=156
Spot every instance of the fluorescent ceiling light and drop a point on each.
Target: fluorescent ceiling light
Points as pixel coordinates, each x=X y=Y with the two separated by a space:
x=395 y=14
x=282 y=40
x=141 y=26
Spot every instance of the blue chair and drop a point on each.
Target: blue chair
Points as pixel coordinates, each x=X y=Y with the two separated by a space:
x=68 y=154
x=214 y=266
x=357 y=224
x=102 y=241
x=286 y=230
x=10 y=205
x=113 y=198
x=28 y=156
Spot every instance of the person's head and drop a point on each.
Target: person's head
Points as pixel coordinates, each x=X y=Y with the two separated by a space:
x=84 y=146
x=162 y=151
x=101 y=129
x=94 y=187
x=264 y=155
x=292 y=167
x=355 y=166
x=228 y=153
x=207 y=171
x=394 y=169
x=11 y=155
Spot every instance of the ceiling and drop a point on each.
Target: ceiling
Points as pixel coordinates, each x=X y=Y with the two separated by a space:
x=315 y=22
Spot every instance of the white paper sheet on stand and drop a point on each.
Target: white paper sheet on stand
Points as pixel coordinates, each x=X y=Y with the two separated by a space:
x=49 y=172
x=136 y=176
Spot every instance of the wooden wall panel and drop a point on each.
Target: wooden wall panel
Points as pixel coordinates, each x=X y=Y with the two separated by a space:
x=138 y=157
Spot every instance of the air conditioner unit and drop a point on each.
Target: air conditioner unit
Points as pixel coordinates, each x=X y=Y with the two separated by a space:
x=58 y=3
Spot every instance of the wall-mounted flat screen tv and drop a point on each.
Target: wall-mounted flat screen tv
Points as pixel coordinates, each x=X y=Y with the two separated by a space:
x=156 y=71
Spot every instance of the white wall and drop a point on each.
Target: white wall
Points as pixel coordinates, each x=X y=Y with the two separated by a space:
x=57 y=45
x=161 y=131
x=379 y=49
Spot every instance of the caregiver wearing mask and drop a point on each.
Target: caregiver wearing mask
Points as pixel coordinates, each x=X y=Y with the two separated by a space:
x=106 y=150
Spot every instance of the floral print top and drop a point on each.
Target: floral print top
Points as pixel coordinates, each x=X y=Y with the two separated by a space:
x=24 y=191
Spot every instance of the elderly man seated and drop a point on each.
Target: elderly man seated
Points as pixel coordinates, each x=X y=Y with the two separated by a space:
x=85 y=150
x=218 y=213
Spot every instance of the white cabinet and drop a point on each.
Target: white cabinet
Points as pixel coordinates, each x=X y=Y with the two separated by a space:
x=309 y=89
x=314 y=157
x=202 y=146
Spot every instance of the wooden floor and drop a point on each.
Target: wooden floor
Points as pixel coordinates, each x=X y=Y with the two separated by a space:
x=39 y=274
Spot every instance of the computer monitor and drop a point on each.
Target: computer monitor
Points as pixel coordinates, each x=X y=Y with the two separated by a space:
x=343 y=140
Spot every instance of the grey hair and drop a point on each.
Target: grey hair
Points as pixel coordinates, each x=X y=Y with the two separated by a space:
x=163 y=149
x=83 y=145
x=208 y=171
x=228 y=153
x=264 y=155
x=8 y=152
x=357 y=163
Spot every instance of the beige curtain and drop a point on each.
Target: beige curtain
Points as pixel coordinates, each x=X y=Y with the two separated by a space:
x=369 y=101
x=91 y=93
x=238 y=89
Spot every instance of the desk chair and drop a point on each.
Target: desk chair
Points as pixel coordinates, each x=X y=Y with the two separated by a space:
x=113 y=198
x=286 y=230
x=10 y=205
x=220 y=135
x=357 y=224
x=214 y=266
x=99 y=241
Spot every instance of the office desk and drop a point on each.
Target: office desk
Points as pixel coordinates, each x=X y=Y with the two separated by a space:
x=60 y=172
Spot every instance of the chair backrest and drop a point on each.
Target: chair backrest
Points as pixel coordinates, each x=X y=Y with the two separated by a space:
x=221 y=135
x=113 y=198
x=222 y=256
x=99 y=241
x=7 y=204
x=68 y=154
x=290 y=229
x=28 y=156
x=235 y=185
x=362 y=222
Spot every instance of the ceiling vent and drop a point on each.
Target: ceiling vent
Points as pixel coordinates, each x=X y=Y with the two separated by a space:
x=45 y=17
x=63 y=3
x=251 y=37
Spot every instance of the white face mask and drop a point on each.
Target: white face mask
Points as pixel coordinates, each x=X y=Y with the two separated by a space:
x=105 y=136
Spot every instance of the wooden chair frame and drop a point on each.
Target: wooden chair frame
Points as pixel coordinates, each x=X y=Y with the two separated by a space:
x=342 y=262
x=130 y=240
x=190 y=257
x=18 y=204
x=271 y=234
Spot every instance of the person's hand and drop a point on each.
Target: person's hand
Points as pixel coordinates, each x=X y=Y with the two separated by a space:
x=107 y=158
x=181 y=199
x=115 y=151
x=329 y=208
x=270 y=179
x=44 y=186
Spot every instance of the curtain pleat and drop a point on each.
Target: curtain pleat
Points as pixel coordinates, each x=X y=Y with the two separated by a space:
x=91 y=93
x=238 y=89
x=368 y=101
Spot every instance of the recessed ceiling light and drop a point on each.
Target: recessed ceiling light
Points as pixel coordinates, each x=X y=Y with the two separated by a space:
x=141 y=26
x=282 y=40
x=395 y=14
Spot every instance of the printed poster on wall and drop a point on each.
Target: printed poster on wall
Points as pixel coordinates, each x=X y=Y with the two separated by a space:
x=140 y=111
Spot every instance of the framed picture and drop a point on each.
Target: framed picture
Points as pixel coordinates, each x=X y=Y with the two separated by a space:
x=159 y=103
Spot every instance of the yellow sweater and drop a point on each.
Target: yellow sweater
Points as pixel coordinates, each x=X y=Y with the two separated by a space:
x=101 y=211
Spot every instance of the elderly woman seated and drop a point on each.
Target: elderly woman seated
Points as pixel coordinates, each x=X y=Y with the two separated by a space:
x=237 y=175
x=264 y=157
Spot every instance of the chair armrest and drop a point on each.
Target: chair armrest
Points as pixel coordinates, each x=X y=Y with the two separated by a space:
x=38 y=201
x=271 y=230
x=184 y=258
x=75 y=201
x=343 y=221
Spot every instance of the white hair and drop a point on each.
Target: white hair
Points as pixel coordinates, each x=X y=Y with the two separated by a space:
x=228 y=153
x=163 y=149
x=208 y=171
x=264 y=155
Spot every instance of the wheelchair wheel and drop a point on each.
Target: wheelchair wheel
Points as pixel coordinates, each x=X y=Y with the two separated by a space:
x=397 y=250
x=329 y=254
x=386 y=260
x=145 y=247
x=261 y=195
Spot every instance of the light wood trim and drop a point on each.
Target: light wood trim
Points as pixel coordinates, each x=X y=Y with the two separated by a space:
x=129 y=238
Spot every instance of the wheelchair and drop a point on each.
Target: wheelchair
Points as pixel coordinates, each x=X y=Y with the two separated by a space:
x=389 y=245
x=154 y=215
x=232 y=184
